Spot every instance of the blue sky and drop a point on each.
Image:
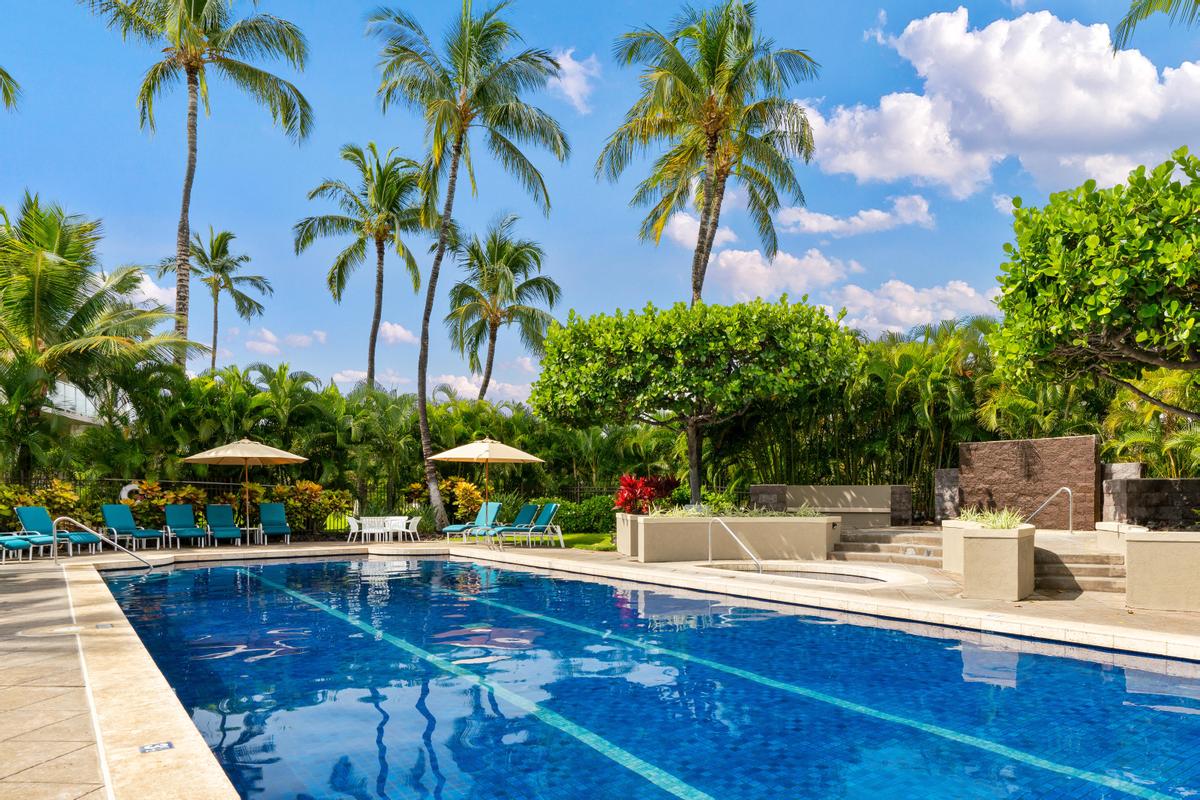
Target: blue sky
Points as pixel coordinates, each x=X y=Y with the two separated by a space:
x=927 y=118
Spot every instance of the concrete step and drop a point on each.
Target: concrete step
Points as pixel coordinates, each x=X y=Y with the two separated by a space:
x=887 y=558
x=1042 y=556
x=1080 y=570
x=1068 y=583
x=900 y=548
x=880 y=537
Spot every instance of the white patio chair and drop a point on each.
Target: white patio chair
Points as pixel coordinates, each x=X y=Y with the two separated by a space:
x=395 y=528
x=355 y=530
x=413 y=528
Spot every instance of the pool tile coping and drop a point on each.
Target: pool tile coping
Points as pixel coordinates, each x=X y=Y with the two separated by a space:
x=132 y=704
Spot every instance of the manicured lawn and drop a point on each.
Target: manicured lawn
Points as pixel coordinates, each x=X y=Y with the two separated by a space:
x=589 y=541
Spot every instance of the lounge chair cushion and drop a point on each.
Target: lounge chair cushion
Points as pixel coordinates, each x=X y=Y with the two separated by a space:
x=221 y=523
x=119 y=517
x=485 y=518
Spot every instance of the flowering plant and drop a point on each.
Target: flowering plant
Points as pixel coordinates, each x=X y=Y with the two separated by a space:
x=636 y=495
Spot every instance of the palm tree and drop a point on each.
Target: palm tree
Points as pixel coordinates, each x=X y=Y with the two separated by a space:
x=10 y=90
x=1185 y=11
x=218 y=269
x=60 y=319
x=473 y=83
x=714 y=92
x=196 y=35
x=385 y=205
x=500 y=289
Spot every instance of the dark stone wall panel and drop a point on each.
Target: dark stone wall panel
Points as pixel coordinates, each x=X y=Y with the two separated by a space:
x=1022 y=473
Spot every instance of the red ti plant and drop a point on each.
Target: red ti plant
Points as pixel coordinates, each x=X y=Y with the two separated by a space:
x=637 y=494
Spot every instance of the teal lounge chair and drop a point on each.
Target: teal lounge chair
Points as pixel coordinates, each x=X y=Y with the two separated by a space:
x=13 y=544
x=38 y=529
x=272 y=521
x=221 y=526
x=118 y=518
x=486 y=518
x=524 y=519
x=543 y=526
x=181 y=525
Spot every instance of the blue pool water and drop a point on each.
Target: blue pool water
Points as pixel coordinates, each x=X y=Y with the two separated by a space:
x=440 y=679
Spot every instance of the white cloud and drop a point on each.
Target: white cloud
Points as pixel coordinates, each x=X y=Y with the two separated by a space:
x=576 y=79
x=683 y=229
x=747 y=274
x=468 y=386
x=150 y=293
x=262 y=348
x=912 y=209
x=898 y=306
x=304 y=339
x=388 y=378
x=1002 y=203
x=265 y=342
x=395 y=333
x=527 y=364
x=1047 y=91
x=876 y=34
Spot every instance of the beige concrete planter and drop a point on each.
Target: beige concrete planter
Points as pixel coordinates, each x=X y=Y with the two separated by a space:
x=1111 y=535
x=952 y=543
x=686 y=538
x=997 y=564
x=1162 y=570
x=626 y=536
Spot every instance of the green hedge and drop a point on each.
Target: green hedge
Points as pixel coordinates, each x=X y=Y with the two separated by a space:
x=594 y=515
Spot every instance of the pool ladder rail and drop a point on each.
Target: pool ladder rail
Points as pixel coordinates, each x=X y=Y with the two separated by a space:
x=86 y=529
x=1070 y=507
x=717 y=520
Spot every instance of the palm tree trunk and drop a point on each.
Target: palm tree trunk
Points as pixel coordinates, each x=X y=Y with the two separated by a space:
x=379 y=254
x=694 y=443
x=698 y=255
x=431 y=474
x=493 y=330
x=183 y=235
x=714 y=221
x=216 y=302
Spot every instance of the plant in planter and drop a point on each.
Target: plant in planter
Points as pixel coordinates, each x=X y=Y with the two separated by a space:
x=638 y=495
x=999 y=519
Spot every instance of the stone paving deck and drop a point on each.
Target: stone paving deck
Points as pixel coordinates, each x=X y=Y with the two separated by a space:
x=46 y=719
x=46 y=731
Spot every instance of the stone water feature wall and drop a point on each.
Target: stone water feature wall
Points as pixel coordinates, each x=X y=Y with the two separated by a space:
x=1021 y=473
x=1158 y=503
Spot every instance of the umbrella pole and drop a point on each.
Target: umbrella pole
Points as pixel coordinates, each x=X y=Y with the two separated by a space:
x=246 y=489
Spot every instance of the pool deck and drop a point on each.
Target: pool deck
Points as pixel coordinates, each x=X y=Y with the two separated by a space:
x=71 y=665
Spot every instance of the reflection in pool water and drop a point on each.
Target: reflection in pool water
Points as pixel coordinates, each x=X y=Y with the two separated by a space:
x=438 y=679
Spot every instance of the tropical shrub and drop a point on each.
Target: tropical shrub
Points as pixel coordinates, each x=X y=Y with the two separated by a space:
x=1102 y=282
x=60 y=498
x=687 y=368
x=593 y=515
x=309 y=505
x=461 y=498
x=637 y=495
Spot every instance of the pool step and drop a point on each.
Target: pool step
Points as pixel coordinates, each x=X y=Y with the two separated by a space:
x=887 y=558
x=900 y=548
x=880 y=545
x=1079 y=572
x=885 y=537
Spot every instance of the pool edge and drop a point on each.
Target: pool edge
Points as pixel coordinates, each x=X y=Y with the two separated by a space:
x=133 y=705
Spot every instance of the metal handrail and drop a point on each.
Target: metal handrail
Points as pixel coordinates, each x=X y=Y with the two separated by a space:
x=102 y=537
x=1070 y=507
x=736 y=538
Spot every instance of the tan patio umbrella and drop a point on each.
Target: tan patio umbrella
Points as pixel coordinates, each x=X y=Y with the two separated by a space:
x=246 y=453
x=487 y=451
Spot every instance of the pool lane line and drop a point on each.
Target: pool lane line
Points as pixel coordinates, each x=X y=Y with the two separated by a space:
x=1127 y=787
x=615 y=753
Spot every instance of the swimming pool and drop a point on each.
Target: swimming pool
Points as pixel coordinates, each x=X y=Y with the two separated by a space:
x=443 y=679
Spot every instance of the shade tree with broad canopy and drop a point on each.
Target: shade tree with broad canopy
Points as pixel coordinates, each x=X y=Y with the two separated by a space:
x=688 y=368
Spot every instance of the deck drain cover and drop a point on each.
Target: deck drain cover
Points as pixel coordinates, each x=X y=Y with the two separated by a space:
x=103 y=624
x=157 y=747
